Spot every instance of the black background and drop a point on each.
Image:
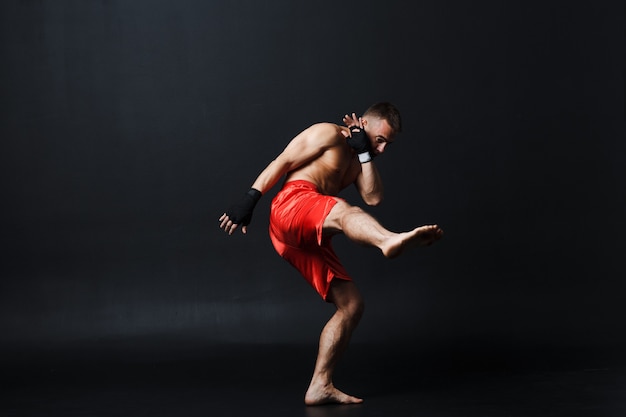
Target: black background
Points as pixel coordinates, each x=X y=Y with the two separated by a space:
x=129 y=126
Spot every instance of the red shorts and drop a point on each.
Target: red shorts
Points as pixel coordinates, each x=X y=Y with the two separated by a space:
x=296 y=219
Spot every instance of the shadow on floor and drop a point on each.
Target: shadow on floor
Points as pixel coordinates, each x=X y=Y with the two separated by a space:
x=132 y=379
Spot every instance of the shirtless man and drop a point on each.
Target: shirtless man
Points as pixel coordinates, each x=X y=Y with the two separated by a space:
x=318 y=163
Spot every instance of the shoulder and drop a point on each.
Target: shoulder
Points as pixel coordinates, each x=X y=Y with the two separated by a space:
x=330 y=129
x=327 y=133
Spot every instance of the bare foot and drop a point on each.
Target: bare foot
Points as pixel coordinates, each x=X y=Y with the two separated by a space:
x=328 y=395
x=420 y=236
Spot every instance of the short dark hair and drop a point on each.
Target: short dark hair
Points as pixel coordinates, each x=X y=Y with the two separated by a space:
x=386 y=111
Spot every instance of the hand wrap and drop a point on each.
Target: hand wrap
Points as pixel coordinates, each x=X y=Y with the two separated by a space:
x=359 y=141
x=241 y=212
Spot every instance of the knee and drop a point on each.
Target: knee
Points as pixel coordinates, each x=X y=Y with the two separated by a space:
x=354 y=309
x=347 y=300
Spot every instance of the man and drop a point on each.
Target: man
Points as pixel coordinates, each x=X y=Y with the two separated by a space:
x=318 y=163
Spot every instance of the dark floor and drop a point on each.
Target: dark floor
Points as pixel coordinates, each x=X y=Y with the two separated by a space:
x=270 y=381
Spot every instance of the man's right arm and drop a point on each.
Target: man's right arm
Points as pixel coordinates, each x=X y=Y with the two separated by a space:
x=307 y=146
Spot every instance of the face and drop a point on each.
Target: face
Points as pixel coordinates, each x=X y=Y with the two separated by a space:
x=380 y=134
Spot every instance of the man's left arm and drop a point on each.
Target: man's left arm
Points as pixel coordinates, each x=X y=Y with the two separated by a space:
x=370 y=184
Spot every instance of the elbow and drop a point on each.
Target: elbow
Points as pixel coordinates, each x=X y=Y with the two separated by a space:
x=373 y=201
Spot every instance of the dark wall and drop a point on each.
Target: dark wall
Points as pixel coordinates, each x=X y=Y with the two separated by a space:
x=128 y=127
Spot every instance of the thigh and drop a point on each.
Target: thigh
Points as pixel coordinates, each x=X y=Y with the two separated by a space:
x=297 y=219
x=333 y=221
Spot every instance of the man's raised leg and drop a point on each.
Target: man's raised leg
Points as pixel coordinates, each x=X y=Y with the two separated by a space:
x=361 y=227
x=333 y=341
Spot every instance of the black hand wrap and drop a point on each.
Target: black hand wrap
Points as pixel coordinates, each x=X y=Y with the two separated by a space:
x=360 y=143
x=241 y=212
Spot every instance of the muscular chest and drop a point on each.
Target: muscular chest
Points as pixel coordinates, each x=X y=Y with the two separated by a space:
x=341 y=167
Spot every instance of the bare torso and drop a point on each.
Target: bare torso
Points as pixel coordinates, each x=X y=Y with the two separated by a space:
x=332 y=171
